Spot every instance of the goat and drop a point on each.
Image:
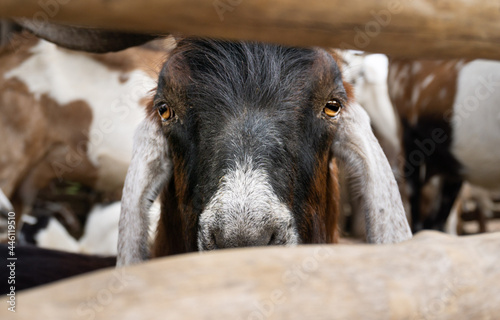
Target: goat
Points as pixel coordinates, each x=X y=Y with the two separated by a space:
x=240 y=151
x=241 y=140
x=68 y=115
x=450 y=120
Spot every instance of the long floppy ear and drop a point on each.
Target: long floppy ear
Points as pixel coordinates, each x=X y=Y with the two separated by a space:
x=371 y=179
x=85 y=39
x=149 y=170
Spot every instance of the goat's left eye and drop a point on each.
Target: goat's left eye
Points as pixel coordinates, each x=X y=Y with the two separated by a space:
x=165 y=112
x=332 y=108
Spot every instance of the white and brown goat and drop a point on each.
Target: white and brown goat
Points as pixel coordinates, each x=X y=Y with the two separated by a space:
x=68 y=115
x=450 y=115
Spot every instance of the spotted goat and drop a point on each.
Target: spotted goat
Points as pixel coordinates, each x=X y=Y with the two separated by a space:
x=451 y=129
x=67 y=115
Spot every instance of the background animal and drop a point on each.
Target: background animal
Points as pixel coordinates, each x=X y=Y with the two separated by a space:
x=69 y=115
x=100 y=233
x=451 y=127
x=476 y=210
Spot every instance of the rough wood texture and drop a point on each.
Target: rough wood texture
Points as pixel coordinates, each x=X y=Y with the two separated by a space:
x=433 y=276
x=424 y=28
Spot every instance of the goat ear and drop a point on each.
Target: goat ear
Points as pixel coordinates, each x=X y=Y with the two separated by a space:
x=371 y=180
x=85 y=39
x=149 y=170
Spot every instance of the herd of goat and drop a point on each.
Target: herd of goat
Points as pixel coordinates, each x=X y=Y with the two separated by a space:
x=239 y=143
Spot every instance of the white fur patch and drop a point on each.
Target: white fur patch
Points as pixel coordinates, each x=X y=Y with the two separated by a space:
x=68 y=76
x=416 y=67
x=415 y=95
x=376 y=67
x=56 y=237
x=5 y=204
x=372 y=93
x=101 y=229
x=460 y=64
x=398 y=79
x=427 y=81
x=476 y=122
x=442 y=93
x=244 y=211
x=100 y=233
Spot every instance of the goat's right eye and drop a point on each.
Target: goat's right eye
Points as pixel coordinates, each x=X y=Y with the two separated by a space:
x=332 y=108
x=165 y=112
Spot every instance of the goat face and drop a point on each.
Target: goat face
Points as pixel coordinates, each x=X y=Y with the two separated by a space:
x=250 y=140
x=239 y=138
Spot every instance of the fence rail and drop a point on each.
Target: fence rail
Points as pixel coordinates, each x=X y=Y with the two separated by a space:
x=433 y=276
x=414 y=28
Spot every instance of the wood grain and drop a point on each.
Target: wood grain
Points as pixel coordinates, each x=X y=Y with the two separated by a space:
x=423 y=28
x=433 y=276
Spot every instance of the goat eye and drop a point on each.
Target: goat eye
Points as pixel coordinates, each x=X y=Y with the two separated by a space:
x=332 y=108
x=165 y=112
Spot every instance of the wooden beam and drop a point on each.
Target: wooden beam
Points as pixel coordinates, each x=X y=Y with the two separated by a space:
x=433 y=276
x=423 y=28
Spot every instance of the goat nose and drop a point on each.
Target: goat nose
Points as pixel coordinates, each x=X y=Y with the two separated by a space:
x=244 y=237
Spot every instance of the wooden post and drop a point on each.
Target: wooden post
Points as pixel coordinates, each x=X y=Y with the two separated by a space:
x=433 y=276
x=423 y=28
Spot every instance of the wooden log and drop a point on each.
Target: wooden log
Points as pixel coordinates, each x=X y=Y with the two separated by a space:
x=433 y=276
x=424 y=28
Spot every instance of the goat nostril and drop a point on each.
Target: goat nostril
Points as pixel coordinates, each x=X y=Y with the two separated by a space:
x=214 y=241
x=272 y=239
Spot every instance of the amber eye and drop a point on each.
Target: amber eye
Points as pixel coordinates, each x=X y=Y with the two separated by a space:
x=332 y=108
x=165 y=112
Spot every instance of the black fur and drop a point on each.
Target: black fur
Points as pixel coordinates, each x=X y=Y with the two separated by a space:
x=438 y=162
x=36 y=266
x=236 y=100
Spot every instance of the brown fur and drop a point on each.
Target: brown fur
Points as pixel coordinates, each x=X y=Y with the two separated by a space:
x=324 y=199
x=170 y=231
x=423 y=93
x=429 y=101
x=176 y=232
x=146 y=58
x=39 y=133
x=333 y=203
x=43 y=140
